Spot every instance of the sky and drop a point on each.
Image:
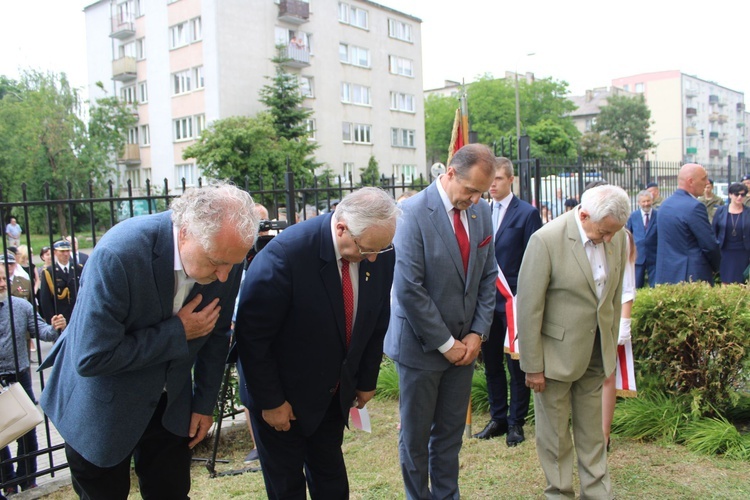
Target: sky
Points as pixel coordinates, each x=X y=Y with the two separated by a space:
x=586 y=43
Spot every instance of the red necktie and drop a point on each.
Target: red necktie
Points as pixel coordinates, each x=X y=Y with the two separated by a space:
x=461 y=237
x=346 y=287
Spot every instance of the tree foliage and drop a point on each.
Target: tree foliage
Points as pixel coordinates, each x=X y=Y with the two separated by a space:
x=370 y=176
x=599 y=146
x=626 y=120
x=44 y=138
x=439 y=113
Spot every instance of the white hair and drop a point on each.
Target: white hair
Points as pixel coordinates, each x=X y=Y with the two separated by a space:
x=367 y=207
x=601 y=202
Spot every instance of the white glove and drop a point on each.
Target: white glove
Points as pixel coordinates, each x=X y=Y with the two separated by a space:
x=624 y=331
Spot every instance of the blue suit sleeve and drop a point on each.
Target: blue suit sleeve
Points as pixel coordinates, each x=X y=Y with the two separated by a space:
x=705 y=236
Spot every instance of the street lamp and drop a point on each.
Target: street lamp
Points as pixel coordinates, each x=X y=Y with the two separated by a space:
x=518 y=109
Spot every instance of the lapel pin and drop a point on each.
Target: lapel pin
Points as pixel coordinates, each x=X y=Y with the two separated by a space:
x=367 y=275
x=473 y=216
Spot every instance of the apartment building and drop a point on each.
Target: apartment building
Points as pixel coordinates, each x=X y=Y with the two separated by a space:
x=183 y=64
x=695 y=120
x=589 y=105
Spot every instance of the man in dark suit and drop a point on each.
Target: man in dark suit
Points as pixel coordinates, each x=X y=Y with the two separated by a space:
x=443 y=298
x=76 y=256
x=310 y=323
x=642 y=224
x=687 y=249
x=59 y=283
x=138 y=369
x=513 y=222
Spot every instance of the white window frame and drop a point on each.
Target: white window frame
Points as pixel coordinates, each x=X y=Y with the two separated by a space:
x=347 y=173
x=357 y=133
x=307 y=86
x=353 y=93
x=134 y=176
x=196 y=29
x=181 y=82
x=128 y=94
x=400 y=30
x=179 y=35
x=145 y=135
x=186 y=171
x=200 y=124
x=182 y=128
x=142 y=92
x=354 y=16
x=401 y=101
x=198 y=77
x=140 y=49
x=127 y=50
x=352 y=54
x=408 y=171
x=403 y=138
x=311 y=129
x=140 y=8
x=401 y=66
x=132 y=136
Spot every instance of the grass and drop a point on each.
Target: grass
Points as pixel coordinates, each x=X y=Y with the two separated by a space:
x=489 y=469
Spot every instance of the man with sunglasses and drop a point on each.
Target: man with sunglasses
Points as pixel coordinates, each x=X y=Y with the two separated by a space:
x=313 y=311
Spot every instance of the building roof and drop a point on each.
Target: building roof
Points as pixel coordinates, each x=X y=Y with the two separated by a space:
x=592 y=102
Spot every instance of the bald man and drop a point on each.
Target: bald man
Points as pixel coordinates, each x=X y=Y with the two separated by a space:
x=686 y=248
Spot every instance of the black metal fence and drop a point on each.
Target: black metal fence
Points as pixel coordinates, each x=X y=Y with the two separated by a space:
x=541 y=181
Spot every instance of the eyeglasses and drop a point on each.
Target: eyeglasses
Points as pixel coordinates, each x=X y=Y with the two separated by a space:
x=740 y=195
x=364 y=253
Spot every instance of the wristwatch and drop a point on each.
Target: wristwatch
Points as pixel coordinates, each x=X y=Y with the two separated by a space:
x=483 y=337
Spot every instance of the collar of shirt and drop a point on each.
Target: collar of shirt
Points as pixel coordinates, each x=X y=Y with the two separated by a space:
x=505 y=202
x=181 y=278
x=584 y=239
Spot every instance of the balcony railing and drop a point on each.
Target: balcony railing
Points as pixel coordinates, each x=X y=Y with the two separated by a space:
x=740 y=106
x=294 y=11
x=122 y=26
x=713 y=117
x=713 y=135
x=691 y=131
x=691 y=111
x=723 y=118
x=691 y=92
x=123 y=69
x=713 y=153
x=691 y=151
x=713 y=99
x=297 y=56
x=131 y=154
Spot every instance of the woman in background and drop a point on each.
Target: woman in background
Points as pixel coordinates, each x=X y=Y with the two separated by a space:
x=731 y=226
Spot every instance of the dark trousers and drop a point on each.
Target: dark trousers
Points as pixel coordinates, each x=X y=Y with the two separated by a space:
x=25 y=444
x=162 y=463
x=497 y=383
x=643 y=271
x=290 y=459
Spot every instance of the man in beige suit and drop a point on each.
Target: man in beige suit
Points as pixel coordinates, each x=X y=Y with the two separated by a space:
x=570 y=287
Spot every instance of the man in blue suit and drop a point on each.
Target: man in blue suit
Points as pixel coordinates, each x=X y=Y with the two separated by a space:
x=311 y=319
x=642 y=224
x=443 y=298
x=687 y=249
x=513 y=222
x=138 y=369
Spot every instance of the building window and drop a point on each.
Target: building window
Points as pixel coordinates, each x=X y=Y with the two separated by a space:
x=399 y=30
x=181 y=82
x=198 y=77
x=178 y=35
x=403 y=102
x=347 y=174
x=142 y=92
x=127 y=50
x=140 y=7
x=402 y=138
x=145 y=135
x=310 y=126
x=353 y=93
x=183 y=128
x=293 y=39
x=133 y=176
x=639 y=88
x=140 y=49
x=127 y=94
x=401 y=66
x=352 y=54
x=409 y=172
x=357 y=133
x=185 y=171
x=306 y=86
x=196 y=29
x=133 y=135
x=354 y=16
x=200 y=124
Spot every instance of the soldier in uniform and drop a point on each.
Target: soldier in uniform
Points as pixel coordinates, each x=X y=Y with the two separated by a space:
x=60 y=283
x=18 y=286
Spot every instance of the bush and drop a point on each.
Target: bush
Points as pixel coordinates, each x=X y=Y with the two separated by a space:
x=692 y=339
x=652 y=417
x=387 y=387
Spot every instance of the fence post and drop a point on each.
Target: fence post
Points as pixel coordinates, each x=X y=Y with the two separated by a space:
x=729 y=168
x=291 y=209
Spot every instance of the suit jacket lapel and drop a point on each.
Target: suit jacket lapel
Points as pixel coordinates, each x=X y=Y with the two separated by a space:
x=444 y=226
x=475 y=238
x=329 y=274
x=579 y=253
x=610 y=249
x=164 y=265
x=508 y=217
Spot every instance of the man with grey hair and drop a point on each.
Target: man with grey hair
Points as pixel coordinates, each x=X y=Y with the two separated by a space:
x=569 y=301
x=642 y=225
x=137 y=371
x=312 y=315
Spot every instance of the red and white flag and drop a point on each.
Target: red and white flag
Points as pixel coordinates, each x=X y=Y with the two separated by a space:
x=625 y=376
x=511 y=339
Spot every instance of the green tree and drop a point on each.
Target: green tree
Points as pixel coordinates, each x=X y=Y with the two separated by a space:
x=439 y=113
x=284 y=100
x=627 y=121
x=45 y=139
x=550 y=139
x=369 y=176
x=598 y=146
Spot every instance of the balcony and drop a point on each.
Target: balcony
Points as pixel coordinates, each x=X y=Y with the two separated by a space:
x=691 y=111
x=691 y=151
x=691 y=93
x=713 y=117
x=294 y=11
x=691 y=131
x=122 y=27
x=131 y=154
x=713 y=153
x=123 y=69
x=723 y=118
x=713 y=99
x=296 y=57
x=713 y=135
x=740 y=124
x=740 y=106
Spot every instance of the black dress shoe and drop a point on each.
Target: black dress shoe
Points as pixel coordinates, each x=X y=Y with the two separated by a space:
x=515 y=436
x=493 y=429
